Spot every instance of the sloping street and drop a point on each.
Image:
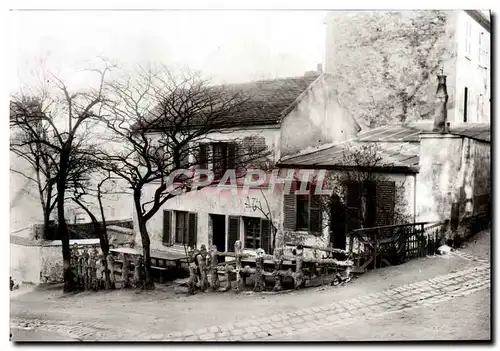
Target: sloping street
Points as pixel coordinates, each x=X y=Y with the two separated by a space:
x=439 y=297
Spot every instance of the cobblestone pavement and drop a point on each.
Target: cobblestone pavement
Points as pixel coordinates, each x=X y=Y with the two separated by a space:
x=426 y=292
x=408 y=296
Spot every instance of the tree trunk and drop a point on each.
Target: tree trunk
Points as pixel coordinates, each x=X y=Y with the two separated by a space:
x=148 y=279
x=69 y=284
x=46 y=222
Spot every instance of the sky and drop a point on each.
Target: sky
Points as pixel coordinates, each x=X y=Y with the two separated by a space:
x=228 y=46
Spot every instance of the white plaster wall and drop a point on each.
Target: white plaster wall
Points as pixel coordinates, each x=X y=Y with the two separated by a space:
x=25 y=207
x=470 y=73
x=230 y=202
x=440 y=162
x=25 y=263
x=317 y=119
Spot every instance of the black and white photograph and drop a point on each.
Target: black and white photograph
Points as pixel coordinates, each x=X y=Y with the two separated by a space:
x=249 y=175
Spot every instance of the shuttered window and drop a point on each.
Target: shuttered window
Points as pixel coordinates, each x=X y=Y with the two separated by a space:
x=166 y=227
x=233 y=232
x=374 y=200
x=302 y=212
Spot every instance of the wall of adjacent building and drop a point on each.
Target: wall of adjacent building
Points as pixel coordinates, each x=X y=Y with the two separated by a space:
x=472 y=70
x=317 y=119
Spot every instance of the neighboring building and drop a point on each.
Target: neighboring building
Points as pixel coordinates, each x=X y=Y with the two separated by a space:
x=287 y=115
x=380 y=59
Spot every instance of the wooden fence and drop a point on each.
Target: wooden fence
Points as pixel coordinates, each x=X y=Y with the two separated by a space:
x=393 y=244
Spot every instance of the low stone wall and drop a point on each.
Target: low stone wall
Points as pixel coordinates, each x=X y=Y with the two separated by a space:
x=51 y=261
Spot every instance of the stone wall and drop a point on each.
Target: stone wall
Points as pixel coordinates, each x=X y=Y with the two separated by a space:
x=51 y=261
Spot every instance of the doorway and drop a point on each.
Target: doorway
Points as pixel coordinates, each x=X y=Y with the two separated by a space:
x=338 y=215
x=219 y=231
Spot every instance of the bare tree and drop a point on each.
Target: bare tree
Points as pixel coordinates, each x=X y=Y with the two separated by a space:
x=157 y=121
x=41 y=165
x=90 y=187
x=66 y=127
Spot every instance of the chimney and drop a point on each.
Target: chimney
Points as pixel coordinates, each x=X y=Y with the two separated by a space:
x=319 y=68
x=441 y=112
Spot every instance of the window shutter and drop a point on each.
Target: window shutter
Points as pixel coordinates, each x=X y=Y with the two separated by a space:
x=385 y=201
x=192 y=228
x=315 y=214
x=166 y=227
x=203 y=156
x=353 y=204
x=290 y=212
x=371 y=204
x=353 y=194
x=233 y=233
x=231 y=155
x=265 y=235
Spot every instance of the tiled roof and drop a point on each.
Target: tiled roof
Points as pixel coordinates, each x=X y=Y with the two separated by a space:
x=266 y=100
x=398 y=146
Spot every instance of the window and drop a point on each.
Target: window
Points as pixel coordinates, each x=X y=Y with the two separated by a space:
x=369 y=204
x=224 y=155
x=483 y=50
x=257 y=233
x=302 y=212
x=252 y=233
x=468 y=41
x=185 y=228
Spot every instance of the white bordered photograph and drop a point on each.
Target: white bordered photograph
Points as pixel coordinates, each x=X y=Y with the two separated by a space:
x=242 y=176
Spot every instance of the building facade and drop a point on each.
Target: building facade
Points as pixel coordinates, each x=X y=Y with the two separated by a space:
x=296 y=114
x=384 y=63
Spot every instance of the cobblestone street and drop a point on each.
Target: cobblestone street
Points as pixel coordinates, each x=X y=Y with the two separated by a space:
x=473 y=278
x=423 y=293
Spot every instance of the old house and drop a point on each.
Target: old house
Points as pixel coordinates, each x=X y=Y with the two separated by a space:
x=286 y=115
x=426 y=171
x=384 y=63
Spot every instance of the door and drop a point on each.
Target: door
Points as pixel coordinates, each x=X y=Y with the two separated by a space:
x=219 y=231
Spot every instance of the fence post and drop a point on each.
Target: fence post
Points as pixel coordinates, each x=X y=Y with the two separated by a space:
x=214 y=261
x=237 y=254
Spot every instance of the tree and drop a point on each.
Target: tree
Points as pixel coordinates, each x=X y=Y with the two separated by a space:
x=95 y=184
x=156 y=121
x=384 y=62
x=65 y=133
x=41 y=165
